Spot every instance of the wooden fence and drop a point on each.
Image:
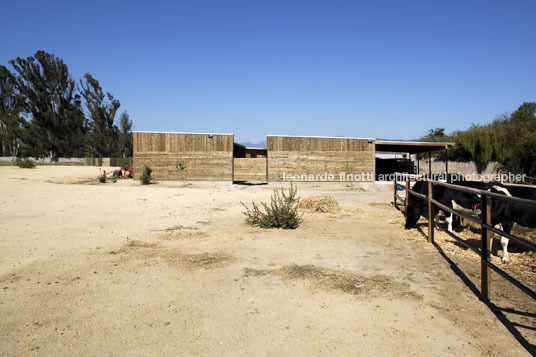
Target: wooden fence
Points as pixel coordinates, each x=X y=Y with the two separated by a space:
x=484 y=221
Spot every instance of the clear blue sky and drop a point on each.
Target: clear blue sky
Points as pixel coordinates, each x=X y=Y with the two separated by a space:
x=387 y=69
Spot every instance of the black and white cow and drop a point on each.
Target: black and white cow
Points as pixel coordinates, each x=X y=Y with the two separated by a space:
x=506 y=213
x=446 y=196
x=503 y=214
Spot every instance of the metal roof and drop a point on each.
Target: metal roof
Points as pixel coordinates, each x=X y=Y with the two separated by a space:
x=412 y=147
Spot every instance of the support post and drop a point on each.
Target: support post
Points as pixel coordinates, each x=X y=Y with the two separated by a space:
x=447 y=161
x=418 y=163
x=485 y=217
x=394 y=191
x=430 y=162
x=407 y=194
x=430 y=213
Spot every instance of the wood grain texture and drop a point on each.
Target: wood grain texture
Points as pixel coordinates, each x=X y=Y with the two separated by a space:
x=250 y=169
x=184 y=156
x=310 y=155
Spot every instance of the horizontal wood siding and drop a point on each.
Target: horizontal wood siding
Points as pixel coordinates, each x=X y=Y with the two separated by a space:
x=250 y=169
x=308 y=144
x=184 y=156
x=308 y=155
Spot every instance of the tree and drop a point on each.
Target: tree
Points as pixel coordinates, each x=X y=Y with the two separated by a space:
x=11 y=109
x=439 y=135
x=125 y=135
x=519 y=136
x=102 y=109
x=49 y=91
x=482 y=143
x=435 y=135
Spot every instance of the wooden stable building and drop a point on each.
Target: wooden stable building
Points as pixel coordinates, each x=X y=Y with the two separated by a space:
x=216 y=157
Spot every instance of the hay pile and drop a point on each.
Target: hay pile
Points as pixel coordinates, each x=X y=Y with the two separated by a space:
x=320 y=204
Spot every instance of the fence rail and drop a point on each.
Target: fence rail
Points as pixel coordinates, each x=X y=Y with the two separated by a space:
x=484 y=221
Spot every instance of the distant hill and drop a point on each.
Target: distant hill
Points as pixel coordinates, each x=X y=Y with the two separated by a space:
x=262 y=144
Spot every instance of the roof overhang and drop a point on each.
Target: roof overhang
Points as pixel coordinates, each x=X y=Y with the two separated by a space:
x=412 y=147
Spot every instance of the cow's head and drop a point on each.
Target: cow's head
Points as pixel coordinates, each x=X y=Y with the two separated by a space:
x=413 y=213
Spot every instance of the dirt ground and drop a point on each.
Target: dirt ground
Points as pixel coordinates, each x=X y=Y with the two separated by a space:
x=171 y=269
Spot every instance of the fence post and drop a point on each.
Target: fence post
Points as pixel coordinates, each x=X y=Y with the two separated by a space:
x=407 y=194
x=430 y=213
x=485 y=218
x=394 y=191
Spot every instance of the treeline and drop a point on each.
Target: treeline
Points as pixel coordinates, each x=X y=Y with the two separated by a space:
x=44 y=112
x=509 y=140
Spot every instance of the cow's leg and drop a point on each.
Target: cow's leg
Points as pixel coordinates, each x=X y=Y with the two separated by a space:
x=492 y=235
x=504 y=244
x=458 y=221
x=507 y=227
x=449 y=220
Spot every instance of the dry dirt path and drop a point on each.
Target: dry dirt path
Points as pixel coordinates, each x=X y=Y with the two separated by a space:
x=170 y=269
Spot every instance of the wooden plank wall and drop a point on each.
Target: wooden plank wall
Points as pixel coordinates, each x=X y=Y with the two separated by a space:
x=250 y=169
x=314 y=155
x=201 y=157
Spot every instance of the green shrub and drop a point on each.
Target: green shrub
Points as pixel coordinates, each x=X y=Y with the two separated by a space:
x=102 y=178
x=26 y=164
x=114 y=179
x=281 y=213
x=145 y=177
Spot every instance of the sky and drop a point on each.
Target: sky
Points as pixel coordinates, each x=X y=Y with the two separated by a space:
x=376 y=69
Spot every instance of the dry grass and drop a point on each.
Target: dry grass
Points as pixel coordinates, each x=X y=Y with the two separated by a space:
x=207 y=260
x=320 y=204
x=179 y=227
x=148 y=252
x=343 y=281
x=183 y=235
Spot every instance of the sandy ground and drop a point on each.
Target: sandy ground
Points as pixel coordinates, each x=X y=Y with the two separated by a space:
x=171 y=269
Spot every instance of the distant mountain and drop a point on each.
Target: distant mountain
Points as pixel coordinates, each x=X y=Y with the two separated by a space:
x=262 y=144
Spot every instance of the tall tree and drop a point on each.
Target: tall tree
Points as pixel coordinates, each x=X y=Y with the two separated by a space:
x=11 y=109
x=102 y=109
x=125 y=142
x=520 y=136
x=49 y=90
x=482 y=142
x=435 y=134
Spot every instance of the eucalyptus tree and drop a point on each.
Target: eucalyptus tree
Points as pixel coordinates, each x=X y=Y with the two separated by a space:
x=11 y=113
x=57 y=126
x=102 y=108
x=125 y=135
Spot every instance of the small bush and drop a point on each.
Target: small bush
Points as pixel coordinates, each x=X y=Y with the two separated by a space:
x=145 y=177
x=281 y=213
x=26 y=164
